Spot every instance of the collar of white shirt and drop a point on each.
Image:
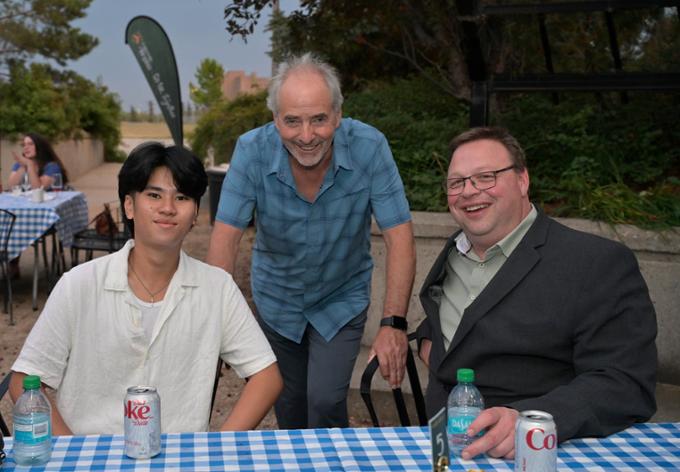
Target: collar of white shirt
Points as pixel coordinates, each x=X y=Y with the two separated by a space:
x=117 y=276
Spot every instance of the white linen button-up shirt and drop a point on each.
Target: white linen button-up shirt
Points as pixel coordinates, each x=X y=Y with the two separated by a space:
x=89 y=344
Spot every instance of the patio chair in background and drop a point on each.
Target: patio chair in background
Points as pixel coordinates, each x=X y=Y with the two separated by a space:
x=53 y=268
x=218 y=374
x=412 y=374
x=95 y=238
x=4 y=386
x=7 y=219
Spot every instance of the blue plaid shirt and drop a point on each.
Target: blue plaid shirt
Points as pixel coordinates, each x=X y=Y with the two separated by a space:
x=311 y=261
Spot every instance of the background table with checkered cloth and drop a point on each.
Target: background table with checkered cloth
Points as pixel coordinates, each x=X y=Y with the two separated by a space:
x=648 y=447
x=67 y=211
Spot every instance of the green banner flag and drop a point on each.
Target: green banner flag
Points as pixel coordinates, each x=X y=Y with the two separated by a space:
x=153 y=51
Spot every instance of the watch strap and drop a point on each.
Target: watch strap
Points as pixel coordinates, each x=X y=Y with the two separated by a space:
x=398 y=322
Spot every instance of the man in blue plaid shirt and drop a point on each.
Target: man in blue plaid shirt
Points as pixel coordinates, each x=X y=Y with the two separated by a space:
x=314 y=180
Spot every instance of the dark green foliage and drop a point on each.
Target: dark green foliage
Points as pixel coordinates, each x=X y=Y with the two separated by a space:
x=209 y=76
x=375 y=40
x=588 y=157
x=30 y=102
x=38 y=98
x=418 y=122
x=607 y=161
x=221 y=125
x=43 y=28
x=354 y=39
x=58 y=105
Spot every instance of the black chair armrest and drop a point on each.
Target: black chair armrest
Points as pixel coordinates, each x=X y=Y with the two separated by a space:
x=365 y=389
x=4 y=387
x=412 y=372
x=416 y=389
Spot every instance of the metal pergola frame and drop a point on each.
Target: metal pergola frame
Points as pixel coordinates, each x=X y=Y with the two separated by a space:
x=484 y=84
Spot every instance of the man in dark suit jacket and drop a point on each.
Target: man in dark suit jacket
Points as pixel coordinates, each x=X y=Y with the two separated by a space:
x=549 y=318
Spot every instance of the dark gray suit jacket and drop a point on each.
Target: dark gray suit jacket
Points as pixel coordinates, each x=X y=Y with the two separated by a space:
x=566 y=326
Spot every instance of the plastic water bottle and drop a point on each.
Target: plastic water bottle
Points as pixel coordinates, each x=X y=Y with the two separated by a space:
x=464 y=405
x=32 y=425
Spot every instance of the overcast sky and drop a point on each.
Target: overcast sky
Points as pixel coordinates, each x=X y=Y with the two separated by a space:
x=196 y=31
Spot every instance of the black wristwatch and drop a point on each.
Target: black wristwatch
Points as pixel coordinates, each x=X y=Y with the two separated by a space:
x=398 y=322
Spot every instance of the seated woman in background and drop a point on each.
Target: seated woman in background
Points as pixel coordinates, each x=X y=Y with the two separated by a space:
x=39 y=162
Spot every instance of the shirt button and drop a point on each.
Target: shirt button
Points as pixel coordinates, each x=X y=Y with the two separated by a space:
x=481 y=264
x=472 y=297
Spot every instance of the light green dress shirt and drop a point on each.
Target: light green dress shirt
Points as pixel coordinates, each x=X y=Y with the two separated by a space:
x=467 y=275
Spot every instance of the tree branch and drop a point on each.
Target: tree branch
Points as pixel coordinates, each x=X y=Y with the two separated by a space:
x=243 y=15
x=445 y=86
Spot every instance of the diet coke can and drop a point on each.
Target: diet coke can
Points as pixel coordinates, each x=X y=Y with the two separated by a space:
x=142 y=422
x=535 y=442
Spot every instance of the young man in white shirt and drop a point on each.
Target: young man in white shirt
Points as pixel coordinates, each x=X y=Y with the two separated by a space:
x=149 y=315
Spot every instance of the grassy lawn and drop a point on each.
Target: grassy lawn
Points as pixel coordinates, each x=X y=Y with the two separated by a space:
x=147 y=130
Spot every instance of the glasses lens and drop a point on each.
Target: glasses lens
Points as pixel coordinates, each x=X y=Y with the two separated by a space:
x=484 y=180
x=454 y=186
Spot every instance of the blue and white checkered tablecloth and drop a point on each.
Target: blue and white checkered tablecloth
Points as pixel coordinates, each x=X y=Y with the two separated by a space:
x=648 y=447
x=66 y=210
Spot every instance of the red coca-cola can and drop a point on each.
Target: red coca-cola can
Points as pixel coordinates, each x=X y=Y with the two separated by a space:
x=142 y=422
x=535 y=442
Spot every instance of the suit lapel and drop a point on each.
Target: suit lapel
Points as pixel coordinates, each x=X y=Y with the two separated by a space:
x=519 y=264
x=439 y=267
x=431 y=291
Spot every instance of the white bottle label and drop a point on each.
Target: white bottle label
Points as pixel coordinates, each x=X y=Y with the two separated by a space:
x=32 y=433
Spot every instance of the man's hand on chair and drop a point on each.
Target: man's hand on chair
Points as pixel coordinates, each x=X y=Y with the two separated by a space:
x=390 y=346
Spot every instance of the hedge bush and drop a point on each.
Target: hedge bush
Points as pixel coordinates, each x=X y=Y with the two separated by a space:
x=218 y=129
x=58 y=105
x=602 y=159
x=419 y=122
x=589 y=156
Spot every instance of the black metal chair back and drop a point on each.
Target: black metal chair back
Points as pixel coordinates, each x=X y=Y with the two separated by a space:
x=218 y=374
x=412 y=374
x=7 y=219
x=4 y=386
x=90 y=240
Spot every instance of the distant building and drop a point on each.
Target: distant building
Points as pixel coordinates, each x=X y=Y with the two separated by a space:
x=236 y=83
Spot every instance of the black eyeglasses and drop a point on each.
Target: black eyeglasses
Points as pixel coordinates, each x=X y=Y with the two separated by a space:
x=481 y=181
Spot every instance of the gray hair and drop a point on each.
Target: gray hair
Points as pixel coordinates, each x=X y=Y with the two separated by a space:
x=310 y=62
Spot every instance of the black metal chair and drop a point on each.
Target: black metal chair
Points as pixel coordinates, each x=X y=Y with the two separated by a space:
x=7 y=219
x=53 y=268
x=218 y=374
x=4 y=430
x=412 y=374
x=4 y=387
x=89 y=240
